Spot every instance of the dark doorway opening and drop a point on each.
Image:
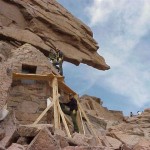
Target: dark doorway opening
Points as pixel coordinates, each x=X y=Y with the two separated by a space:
x=29 y=69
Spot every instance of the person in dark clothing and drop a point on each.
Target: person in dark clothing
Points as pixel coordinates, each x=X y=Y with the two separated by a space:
x=72 y=104
x=73 y=108
x=131 y=114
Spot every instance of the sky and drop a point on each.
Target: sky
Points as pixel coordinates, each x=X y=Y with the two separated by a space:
x=122 y=30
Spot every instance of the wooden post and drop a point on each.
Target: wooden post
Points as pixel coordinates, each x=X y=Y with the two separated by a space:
x=87 y=119
x=82 y=121
x=55 y=93
x=78 y=119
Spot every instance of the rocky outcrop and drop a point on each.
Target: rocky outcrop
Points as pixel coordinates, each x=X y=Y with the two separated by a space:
x=46 y=24
x=134 y=132
x=131 y=133
x=93 y=106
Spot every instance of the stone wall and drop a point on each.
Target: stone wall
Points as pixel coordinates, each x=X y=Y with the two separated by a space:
x=25 y=55
x=29 y=55
x=27 y=99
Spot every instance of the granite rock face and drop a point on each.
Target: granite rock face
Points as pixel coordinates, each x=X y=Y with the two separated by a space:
x=46 y=24
x=131 y=133
x=13 y=61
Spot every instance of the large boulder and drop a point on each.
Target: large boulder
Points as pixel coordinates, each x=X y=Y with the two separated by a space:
x=142 y=145
x=44 y=141
x=15 y=146
x=60 y=136
x=10 y=131
x=45 y=25
x=2 y=133
x=127 y=139
x=86 y=148
x=32 y=130
x=87 y=140
x=113 y=142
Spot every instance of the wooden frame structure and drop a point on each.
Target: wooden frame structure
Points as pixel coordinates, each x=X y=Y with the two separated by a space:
x=58 y=82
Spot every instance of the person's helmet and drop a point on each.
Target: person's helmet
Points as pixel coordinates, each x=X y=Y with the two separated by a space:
x=57 y=49
x=70 y=94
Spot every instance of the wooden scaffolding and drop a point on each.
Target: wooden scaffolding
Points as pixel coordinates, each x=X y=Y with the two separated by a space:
x=56 y=82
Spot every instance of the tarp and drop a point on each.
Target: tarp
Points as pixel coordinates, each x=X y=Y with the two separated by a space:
x=3 y=113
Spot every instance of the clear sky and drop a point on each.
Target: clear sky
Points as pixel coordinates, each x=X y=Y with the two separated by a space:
x=122 y=30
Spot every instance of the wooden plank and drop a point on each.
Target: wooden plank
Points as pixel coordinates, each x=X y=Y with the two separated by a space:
x=79 y=123
x=88 y=121
x=32 y=76
x=82 y=121
x=55 y=93
x=43 y=113
x=67 y=119
x=65 y=88
x=64 y=121
x=23 y=76
x=59 y=124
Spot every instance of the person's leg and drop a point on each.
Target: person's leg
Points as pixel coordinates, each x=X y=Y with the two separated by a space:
x=60 y=68
x=64 y=109
x=74 y=117
x=56 y=65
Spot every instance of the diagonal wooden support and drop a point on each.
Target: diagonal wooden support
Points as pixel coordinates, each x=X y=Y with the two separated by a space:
x=64 y=121
x=43 y=113
x=67 y=119
x=55 y=99
x=87 y=119
x=80 y=114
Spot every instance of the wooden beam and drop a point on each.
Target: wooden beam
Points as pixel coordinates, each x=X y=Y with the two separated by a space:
x=87 y=119
x=67 y=119
x=79 y=123
x=55 y=93
x=64 y=121
x=80 y=114
x=43 y=113
x=59 y=123
x=23 y=76
x=65 y=88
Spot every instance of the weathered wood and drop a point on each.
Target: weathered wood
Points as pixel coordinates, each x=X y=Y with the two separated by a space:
x=65 y=88
x=24 y=76
x=80 y=114
x=87 y=119
x=43 y=113
x=55 y=93
x=68 y=120
x=79 y=123
x=64 y=121
x=59 y=117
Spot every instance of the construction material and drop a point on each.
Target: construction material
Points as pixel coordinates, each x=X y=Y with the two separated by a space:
x=24 y=76
x=3 y=113
x=55 y=93
x=43 y=113
x=82 y=121
x=64 y=121
x=88 y=121
x=57 y=82
x=65 y=88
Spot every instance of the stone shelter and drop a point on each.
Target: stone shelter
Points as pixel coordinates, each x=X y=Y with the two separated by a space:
x=27 y=98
